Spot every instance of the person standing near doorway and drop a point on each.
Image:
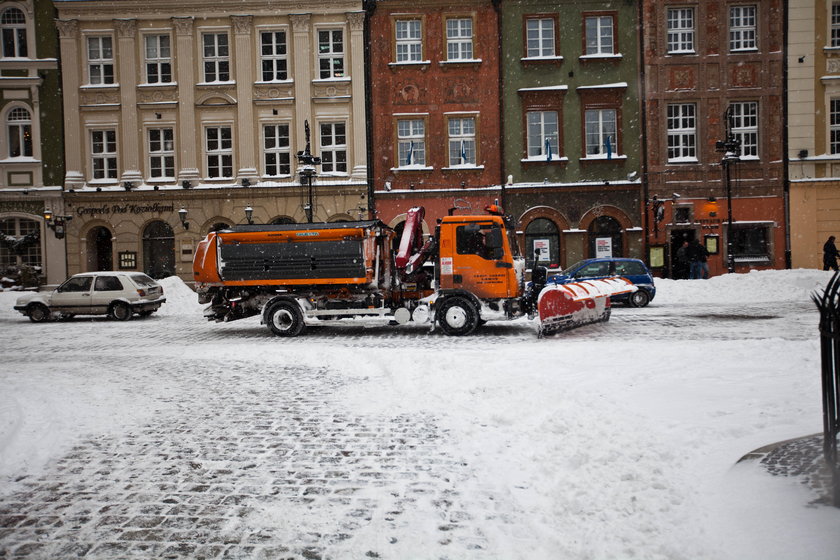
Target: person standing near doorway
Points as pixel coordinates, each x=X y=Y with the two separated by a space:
x=698 y=256
x=681 y=264
x=830 y=255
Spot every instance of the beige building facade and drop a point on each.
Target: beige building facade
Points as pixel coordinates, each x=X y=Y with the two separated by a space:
x=813 y=127
x=184 y=117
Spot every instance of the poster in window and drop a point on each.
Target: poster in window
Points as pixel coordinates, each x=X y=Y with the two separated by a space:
x=657 y=257
x=543 y=247
x=603 y=246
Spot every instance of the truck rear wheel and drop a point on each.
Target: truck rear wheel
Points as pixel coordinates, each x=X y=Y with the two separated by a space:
x=457 y=316
x=284 y=318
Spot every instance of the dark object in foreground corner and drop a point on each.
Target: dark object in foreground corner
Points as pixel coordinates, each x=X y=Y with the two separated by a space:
x=828 y=302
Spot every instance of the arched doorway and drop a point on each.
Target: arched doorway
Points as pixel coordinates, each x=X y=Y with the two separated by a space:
x=282 y=221
x=158 y=250
x=605 y=238
x=100 y=249
x=544 y=235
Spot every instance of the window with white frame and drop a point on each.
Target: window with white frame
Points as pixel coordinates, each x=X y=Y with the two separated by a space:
x=682 y=132
x=599 y=35
x=411 y=142
x=19 y=228
x=100 y=54
x=459 y=39
x=543 y=135
x=330 y=53
x=274 y=56
x=462 y=141
x=161 y=153
x=601 y=132
x=158 y=59
x=103 y=152
x=13 y=26
x=409 y=40
x=216 y=57
x=680 y=30
x=218 y=149
x=333 y=147
x=277 y=150
x=835 y=24
x=834 y=126
x=540 y=38
x=742 y=26
x=19 y=127
x=744 y=123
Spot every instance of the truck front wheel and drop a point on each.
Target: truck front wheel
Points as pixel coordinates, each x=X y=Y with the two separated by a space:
x=457 y=316
x=284 y=318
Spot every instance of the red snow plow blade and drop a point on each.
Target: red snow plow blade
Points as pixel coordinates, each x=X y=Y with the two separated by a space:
x=567 y=306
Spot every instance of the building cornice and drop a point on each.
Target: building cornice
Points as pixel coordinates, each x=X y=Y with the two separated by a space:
x=141 y=9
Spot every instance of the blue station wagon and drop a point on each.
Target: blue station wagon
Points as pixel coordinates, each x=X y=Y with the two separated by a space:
x=633 y=270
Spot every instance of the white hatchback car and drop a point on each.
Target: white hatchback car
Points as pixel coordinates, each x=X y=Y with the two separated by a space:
x=117 y=294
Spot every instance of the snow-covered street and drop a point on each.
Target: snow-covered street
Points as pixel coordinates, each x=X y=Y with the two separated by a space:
x=174 y=437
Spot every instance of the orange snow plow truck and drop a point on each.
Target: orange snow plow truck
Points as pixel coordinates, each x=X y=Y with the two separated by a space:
x=470 y=271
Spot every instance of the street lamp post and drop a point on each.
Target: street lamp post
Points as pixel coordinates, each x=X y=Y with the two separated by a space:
x=307 y=173
x=731 y=149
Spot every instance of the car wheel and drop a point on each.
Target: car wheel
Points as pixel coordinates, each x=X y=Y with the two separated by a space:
x=38 y=313
x=285 y=318
x=639 y=298
x=120 y=311
x=457 y=316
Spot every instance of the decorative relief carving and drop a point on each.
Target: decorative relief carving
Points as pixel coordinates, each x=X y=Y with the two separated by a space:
x=745 y=76
x=67 y=28
x=356 y=20
x=183 y=25
x=331 y=90
x=100 y=98
x=460 y=92
x=300 y=22
x=158 y=96
x=832 y=65
x=242 y=25
x=682 y=77
x=126 y=28
x=273 y=92
x=407 y=95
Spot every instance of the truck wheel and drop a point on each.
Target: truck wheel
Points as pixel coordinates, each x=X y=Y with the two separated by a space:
x=38 y=313
x=457 y=316
x=284 y=318
x=120 y=311
x=639 y=298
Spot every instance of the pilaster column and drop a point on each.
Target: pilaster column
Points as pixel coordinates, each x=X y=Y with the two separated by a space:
x=356 y=22
x=190 y=136
x=243 y=53
x=303 y=64
x=68 y=32
x=130 y=151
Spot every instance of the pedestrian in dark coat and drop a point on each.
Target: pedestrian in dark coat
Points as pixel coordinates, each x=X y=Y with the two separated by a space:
x=698 y=255
x=830 y=255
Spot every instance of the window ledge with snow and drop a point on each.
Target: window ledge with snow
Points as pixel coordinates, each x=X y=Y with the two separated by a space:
x=463 y=168
x=539 y=59
x=544 y=159
x=100 y=86
x=600 y=56
x=461 y=61
x=409 y=64
x=684 y=160
x=216 y=84
x=603 y=157
x=412 y=168
x=332 y=80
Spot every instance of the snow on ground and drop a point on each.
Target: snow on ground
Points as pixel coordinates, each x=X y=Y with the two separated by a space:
x=617 y=440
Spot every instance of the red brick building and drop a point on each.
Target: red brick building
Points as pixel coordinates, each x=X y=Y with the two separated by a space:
x=436 y=127
x=708 y=65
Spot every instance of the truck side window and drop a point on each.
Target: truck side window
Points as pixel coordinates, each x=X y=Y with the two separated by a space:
x=469 y=240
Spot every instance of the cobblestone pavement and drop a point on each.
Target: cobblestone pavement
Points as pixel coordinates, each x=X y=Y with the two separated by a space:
x=232 y=457
x=262 y=460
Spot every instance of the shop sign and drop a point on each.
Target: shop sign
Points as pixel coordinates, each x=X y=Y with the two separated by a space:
x=120 y=209
x=543 y=247
x=603 y=247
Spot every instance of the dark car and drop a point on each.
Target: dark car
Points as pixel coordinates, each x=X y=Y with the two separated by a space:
x=633 y=270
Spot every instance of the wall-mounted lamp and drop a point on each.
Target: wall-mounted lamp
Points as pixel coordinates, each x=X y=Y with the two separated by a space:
x=185 y=184
x=182 y=213
x=246 y=182
x=56 y=223
x=128 y=185
x=803 y=154
x=249 y=213
x=713 y=199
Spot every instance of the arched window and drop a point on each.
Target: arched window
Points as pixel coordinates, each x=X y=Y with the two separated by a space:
x=13 y=31
x=218 y=226
x=544 y=235
x=605 y=237
x=159 y=250
x=282 y=221
x=21 y=243
x=19 y=126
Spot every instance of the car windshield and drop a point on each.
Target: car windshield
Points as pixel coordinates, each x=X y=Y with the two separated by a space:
x=143 y=280
x=571 y=267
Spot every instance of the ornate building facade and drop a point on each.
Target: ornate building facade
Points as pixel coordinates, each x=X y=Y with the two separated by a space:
x=186 y=117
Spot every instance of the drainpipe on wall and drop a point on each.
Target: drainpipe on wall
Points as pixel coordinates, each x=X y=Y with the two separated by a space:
x=785 y=139
x=369 y=7
x=643 y=98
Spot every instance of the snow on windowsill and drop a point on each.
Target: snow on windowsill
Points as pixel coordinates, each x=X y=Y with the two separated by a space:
x=605 y=86
x=19 y=160
x=603 y=157
x=227 y=83
x=412 y=168
x=331 y=80
x=684 y=160
x=100 y=86
x=461 y=61
x=410 y=63
x=543 y=159
x=544 y=88
x=463 y=168
x=601 y=56
x=541 y=59
x=158 y=84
